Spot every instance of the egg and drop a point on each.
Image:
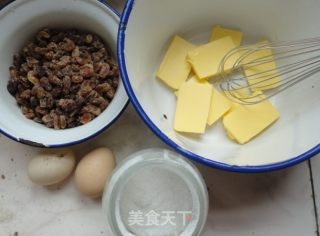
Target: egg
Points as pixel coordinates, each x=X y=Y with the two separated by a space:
x=93 y=171
x=51 y=166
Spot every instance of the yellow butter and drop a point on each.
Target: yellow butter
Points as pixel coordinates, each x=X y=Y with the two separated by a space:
x=218 y=107
x=244 y=92
x=234 y=106
x=230 y=136
x=219 y=104
x=246 y=122
x=174 y=69
x=192 y=79
x=219 y=32
x=205 y=59
x=193 y=104
x=269 y=78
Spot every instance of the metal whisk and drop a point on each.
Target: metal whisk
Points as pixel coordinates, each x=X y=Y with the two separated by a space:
x=267 y=67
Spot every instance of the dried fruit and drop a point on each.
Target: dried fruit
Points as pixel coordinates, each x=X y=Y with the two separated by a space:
x=63 y=78
x=27 y=112
x=26 y=94
x=76 y=79
x=104 y=71
x=103 y=88
x=63 y=122
x=32 y=78
x=88 y=39
x=75 y=52
x=31 y=61
x=85 y=118
x=12 y=87
x=91 y=109
x=44 y=83
x=40 y=92
x=63 y=61
x=68 y=45
x=54 y=80
x=66 y=104
x=86 y=70
x=110 y=93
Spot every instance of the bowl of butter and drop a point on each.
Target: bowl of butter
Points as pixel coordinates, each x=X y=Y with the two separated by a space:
x=169 y=55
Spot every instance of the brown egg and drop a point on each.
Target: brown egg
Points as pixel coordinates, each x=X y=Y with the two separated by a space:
x=93 y=171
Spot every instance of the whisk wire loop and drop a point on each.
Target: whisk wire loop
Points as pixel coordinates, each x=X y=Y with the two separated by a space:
x=268 y=67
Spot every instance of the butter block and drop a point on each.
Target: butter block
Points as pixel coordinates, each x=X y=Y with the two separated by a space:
x=219 y=32
x=218 y=107
x=193 y=104
x=205 y=59
x=269 y=79
x=241 y=93
x=246 y=122
x=192 y=79
x=174 y=69
x=234 y=106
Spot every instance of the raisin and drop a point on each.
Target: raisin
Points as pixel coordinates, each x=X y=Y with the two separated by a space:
x=91 y=109
x=56 y=121
x=66 y=104
x=104 y=71
x=40 y=92
x=63 y=61
x=47 y=120
x=33 y=102
x=34 y=80
x=31 y=61
x=57 y=37
x=28 y=112
x=111 y=93
x=46 y=102
x=41 y=111
x=13 y=72
x=103 y=105
x=43 y=35
x=44 y=82
x=63 y=78
x=55 y=81
x=86 y=70
x=88 y=39
x=38 y=120
x=56 y=92
x=68 y=45
x=12 y=87
x=103 y=88
x=85 y=118
x=62 y=122
x=76 y=79
x=26 y=94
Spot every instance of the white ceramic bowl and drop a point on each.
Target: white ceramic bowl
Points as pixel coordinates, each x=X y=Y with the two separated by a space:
x=147 y=26
x=19 y=21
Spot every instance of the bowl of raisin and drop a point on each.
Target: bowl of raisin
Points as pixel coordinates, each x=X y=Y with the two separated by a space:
x=60 y=82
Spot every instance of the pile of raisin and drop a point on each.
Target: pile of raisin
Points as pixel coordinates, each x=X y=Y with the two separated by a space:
x=63 y=78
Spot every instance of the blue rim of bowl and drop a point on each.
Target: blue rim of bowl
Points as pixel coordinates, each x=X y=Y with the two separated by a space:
x=80 y=140
x=124 y=74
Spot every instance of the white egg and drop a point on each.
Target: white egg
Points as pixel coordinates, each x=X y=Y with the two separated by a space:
x=93 y=171
x=51 y=166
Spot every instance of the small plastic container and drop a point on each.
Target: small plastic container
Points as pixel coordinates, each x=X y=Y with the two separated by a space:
x=156 y=192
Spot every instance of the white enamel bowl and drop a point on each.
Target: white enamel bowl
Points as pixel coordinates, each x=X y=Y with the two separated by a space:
x=147 y=27
x=19 y=21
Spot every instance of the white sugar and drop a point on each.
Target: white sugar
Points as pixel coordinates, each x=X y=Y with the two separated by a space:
x=155 y=201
